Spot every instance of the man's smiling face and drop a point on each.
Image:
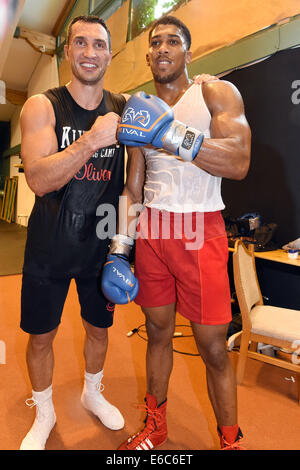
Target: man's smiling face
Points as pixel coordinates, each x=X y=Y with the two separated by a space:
x=88 y=52
x=168 y=54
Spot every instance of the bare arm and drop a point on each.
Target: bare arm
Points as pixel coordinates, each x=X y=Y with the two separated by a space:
x=45 y=168
x=133 y=189
x=227 y=152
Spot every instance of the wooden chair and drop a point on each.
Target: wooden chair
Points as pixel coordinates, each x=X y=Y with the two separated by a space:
x=279 y=327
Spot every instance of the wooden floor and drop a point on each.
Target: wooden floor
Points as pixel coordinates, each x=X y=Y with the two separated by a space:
x=268 y=409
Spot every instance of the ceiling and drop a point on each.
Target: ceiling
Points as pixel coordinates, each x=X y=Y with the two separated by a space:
x=20 y=58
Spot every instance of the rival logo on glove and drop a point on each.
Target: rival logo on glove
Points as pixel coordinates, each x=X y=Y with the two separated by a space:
x=142 y=116
x=148 y=119
x=127 y=281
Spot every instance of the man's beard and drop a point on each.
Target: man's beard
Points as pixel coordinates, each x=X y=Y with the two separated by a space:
x=166 y=79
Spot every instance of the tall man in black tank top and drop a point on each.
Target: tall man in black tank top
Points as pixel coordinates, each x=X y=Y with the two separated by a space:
x=73 y=165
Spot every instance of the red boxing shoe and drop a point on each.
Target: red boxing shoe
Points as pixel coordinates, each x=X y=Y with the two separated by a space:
x=155 y=432
x=230 y=438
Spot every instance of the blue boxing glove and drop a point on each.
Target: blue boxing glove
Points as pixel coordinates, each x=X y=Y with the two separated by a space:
x=119 y=285
x=147 y=119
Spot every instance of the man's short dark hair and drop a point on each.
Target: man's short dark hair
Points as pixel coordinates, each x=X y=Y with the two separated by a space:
x=89 y=19
x=175 y=21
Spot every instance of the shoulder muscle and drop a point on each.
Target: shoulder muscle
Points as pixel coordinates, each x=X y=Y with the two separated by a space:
x=221 y=95
x=37 y=111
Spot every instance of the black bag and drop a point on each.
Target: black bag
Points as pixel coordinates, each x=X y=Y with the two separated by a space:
x=263 y=237
x=250 y=230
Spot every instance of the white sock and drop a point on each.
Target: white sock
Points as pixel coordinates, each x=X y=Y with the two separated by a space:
x=92 y=382
x=44 y=421
x=93 y=400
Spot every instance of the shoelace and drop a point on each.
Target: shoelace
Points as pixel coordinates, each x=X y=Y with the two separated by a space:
x=150 y=426
x=234 y=446
x=31 y=402
x=100 y=387
x=155 y=414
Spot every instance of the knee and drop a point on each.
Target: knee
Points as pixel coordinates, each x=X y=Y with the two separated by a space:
x=161 y=333
x=41 y=343
x=215 y=357
x=96 y=334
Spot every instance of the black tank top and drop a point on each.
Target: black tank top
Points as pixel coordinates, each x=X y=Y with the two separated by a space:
x=62 y=239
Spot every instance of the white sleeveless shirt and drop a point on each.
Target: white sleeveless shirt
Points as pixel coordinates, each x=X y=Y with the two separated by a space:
x=175 y=185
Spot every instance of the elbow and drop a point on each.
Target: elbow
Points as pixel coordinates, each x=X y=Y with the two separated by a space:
x=34 y=185
x=36 y=190
x=38 y=184
x=242 y=173
x=39 y=193
x=243 y=167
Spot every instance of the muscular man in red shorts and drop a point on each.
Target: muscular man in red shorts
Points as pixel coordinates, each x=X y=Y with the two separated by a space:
x=181 y=248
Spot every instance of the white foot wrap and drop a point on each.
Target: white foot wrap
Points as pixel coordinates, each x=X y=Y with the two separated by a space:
x=93 y=400
x=44 y=421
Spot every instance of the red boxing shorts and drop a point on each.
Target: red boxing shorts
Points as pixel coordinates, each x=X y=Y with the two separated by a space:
x=173 y=266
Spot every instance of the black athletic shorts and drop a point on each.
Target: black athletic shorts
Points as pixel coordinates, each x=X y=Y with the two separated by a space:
x=43 y=299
